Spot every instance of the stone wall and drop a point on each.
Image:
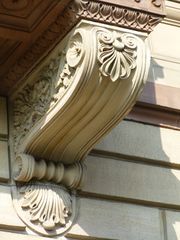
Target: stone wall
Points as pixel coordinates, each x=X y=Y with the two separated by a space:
x=132 y=189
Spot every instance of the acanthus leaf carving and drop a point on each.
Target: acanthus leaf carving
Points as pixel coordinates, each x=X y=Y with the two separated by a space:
x=118 y=15
x=51 y=84
x=117 y=55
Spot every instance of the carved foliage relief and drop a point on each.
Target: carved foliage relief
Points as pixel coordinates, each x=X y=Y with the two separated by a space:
x=119 y=15
x=117 y=55
x=52 y=82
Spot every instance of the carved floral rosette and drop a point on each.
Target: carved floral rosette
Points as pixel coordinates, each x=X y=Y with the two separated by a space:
x=73 y=99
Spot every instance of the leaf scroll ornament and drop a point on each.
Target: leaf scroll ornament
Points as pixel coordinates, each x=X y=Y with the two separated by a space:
x=117 y=55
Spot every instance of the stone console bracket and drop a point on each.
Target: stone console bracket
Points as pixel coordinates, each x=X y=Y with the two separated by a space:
x=76 y=95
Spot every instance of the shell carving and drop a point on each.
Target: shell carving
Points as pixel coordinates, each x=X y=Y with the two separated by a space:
x=117 y=55
x=47 y=206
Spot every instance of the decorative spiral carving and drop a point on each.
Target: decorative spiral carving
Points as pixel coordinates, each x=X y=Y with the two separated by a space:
x=117 y=55
x=75 y=51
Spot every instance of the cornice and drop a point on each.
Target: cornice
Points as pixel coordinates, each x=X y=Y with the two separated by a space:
x=118 y=15
x=172 y=13
x=139 y=18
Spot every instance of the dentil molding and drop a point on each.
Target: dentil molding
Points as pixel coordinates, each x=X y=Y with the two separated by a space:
x=84 y=87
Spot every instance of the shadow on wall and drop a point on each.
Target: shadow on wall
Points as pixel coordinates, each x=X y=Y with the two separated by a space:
x=154 y=147
x=149 y=94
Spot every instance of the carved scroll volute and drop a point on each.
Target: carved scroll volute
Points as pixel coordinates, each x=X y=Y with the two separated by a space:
x=105 y=66
x=72 y=100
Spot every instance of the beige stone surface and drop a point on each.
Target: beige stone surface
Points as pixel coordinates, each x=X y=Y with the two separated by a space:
x=14 y=235
x=114 y=220
x=4 y=162
x=3 y=117
x=172 y=12
x=8 y=217
x=173 y=225
x=122 y=179
x=161 y=42
x=145 y=141
x=164 y=72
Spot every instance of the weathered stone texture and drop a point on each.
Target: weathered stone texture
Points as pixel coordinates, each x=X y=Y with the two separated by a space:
x=113 y=220
x=144 y=141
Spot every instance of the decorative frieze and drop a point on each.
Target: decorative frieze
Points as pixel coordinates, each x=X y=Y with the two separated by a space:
x=119 y=14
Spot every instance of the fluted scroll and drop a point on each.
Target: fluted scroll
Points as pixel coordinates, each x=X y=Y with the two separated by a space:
x=78 y=93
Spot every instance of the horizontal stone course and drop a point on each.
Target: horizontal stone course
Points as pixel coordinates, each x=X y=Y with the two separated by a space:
x=8 y=216
x=144 y=141
x=115 y=179
x=99 y=219
x=14 y=235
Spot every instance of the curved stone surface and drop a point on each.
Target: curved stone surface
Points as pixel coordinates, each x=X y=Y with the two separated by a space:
x=80 y=92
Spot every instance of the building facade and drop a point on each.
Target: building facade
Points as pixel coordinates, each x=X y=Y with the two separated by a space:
x=89 y=120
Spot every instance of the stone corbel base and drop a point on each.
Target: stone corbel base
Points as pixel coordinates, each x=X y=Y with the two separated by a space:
x=45 y=201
